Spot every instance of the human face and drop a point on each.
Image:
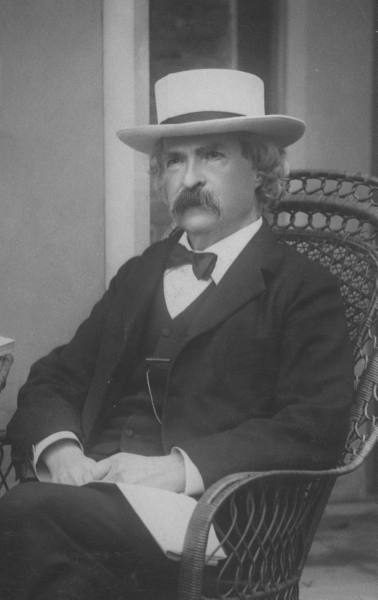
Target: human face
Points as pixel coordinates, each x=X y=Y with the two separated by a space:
x=214 y=167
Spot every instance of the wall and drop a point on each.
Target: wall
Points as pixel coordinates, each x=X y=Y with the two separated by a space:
x=126 y=104
x=328 y=77
x=51 y=180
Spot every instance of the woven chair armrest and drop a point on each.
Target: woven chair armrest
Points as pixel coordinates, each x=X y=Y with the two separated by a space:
x=193 y=557
x=6 y=362
x=3 y=442
x=6 y=464
x=221 y=489
x=3 y=438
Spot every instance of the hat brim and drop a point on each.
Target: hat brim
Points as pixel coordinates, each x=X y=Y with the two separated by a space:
x=280 y=129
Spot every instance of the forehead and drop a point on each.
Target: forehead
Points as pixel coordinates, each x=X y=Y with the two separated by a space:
x=193 y=143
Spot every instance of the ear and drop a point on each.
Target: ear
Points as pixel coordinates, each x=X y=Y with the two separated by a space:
x=258 y=180
x=158 y=189
x=163 y=197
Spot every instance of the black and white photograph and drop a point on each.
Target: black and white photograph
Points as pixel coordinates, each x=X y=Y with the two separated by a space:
x=189 y=300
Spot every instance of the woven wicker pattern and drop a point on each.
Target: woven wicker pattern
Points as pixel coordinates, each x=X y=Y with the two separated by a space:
x=265 y=522
x=266 y=538
x=6 y=362
x=333 y=219
x=269 y=519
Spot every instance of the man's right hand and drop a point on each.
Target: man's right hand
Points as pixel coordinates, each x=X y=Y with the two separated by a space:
x=68 y=464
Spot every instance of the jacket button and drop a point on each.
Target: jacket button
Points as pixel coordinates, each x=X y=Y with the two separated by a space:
x=129 y=432
x=166 y=332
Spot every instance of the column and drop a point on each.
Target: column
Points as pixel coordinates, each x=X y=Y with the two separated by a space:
x=126 y=103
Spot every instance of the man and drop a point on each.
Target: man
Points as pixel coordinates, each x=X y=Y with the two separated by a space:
x=218 y=350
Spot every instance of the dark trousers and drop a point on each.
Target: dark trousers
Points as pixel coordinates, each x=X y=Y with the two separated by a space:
x=61 y=542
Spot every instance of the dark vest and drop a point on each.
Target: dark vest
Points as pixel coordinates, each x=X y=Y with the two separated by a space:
x=128 y=422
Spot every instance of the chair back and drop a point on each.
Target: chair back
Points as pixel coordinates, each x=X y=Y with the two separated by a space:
x=332 y=217
x=266 y=521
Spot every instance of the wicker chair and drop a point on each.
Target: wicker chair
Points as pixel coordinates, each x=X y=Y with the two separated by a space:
x=5 y=364
x=273 y=516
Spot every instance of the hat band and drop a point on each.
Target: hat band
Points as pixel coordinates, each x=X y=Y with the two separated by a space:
x=205 y=115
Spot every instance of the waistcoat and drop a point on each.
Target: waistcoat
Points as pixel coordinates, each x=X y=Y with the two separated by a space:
x=128 y=422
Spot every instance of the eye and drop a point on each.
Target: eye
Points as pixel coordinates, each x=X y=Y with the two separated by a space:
x=172 y=161
x=213 y=155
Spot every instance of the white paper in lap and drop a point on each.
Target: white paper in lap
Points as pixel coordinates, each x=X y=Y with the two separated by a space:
x=166 y=515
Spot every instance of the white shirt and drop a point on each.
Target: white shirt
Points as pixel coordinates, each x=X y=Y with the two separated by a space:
x=181 y=288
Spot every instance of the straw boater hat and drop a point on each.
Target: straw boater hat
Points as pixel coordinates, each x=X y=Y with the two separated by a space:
x=209 y=101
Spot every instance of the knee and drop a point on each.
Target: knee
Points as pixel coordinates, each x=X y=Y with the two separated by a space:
x=20 y=503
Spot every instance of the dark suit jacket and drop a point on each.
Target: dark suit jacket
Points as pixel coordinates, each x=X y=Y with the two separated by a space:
x=263 y=379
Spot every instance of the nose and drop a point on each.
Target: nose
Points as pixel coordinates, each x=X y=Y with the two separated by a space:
x=193 y=175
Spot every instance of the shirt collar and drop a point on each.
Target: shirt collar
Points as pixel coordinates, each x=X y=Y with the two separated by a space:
x=227 y=249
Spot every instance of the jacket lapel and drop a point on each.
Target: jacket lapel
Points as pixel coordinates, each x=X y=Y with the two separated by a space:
x=125 y=324
x=142 y=288
x=244 y=281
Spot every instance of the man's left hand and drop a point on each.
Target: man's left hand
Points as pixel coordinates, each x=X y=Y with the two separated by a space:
x=165 y=472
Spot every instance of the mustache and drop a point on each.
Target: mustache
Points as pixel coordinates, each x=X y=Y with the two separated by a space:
x=195 y=198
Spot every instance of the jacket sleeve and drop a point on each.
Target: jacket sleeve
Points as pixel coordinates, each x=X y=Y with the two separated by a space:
x=313 y=394
x=53 y=396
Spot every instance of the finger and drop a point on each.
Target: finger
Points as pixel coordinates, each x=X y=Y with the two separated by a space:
x=102 y=469
x=110 y=477
x=64 y=479
x=107 y=479
x=72 y=477
x=84 y=473
x=105 y=462
x=87 y=477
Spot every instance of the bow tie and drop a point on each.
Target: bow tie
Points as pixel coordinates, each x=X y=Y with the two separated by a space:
x=203 y=263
